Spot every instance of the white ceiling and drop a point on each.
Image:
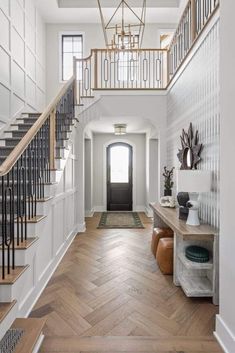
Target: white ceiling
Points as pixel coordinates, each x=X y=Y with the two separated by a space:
x=115 y=3
x=135 y=125
x=86 y=11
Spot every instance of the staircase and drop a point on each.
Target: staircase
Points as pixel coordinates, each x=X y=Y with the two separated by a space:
x=34 y=152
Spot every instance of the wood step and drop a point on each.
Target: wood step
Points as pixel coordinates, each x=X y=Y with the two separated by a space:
x=25 y=244
x=32 y=334
x=13 y=276
x=35 y=219
x=5 y=308
x=31 y=114
x=111 y=344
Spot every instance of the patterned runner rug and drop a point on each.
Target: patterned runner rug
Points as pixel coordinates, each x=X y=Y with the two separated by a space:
x=120 y=220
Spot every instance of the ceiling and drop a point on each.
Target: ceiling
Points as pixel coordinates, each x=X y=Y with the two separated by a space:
x=86 y=11
x=135 y=125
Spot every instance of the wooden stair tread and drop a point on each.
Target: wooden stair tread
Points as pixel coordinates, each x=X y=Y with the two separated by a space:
x=14 y=275
x=32 y=331
x=108 y=344
x=35 y=219
x=45 y=199
x=5 y=308
x=25 y=244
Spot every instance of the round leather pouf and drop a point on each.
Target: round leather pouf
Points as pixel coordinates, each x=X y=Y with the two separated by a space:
x=165 y=255
x=159 y=233
x=197 y=254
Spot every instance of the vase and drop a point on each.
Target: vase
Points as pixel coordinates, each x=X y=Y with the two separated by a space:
x=167 y=192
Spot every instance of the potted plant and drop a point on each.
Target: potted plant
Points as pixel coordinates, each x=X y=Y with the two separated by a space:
x=168 y=183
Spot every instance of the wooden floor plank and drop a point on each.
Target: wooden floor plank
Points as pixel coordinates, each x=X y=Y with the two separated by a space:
x=108 y=295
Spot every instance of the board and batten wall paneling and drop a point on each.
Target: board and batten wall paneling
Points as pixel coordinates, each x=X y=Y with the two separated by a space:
x=195 y=98
x=22 y=59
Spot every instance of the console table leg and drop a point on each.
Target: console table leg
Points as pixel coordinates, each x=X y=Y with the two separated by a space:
x=176 y=267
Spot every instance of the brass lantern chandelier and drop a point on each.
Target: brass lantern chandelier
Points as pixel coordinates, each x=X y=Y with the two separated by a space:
x=121 y=33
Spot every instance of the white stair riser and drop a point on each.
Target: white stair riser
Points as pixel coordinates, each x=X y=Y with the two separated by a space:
x=56 y=175
x=43 y=207
x=33 y=229
x=60 y=163
x=64 y=153
x=23 y=257
x=10 y=292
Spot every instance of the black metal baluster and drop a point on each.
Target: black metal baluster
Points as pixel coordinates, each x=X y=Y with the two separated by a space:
x=3 y=228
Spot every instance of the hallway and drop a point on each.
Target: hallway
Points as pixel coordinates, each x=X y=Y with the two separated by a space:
x=108 y=285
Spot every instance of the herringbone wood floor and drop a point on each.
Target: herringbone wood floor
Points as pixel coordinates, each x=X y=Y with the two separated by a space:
x=108 y=295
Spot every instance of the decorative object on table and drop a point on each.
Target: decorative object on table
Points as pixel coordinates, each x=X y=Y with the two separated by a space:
x=194 y=182
x=168 y=183
x=120 y=220
x=167 y=201
x=197 y=254
x=183 y=198
x=189 y=154
x=159 y=233
x=165 y=256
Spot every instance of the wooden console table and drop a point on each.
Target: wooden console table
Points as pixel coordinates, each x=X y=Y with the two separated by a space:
x=196 y=279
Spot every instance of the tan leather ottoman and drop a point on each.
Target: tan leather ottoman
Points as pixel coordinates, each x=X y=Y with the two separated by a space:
x=165 y=255
x=159 y=233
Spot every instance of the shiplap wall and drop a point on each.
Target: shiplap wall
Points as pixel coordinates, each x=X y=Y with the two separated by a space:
x=22 y=59
x=195 y=98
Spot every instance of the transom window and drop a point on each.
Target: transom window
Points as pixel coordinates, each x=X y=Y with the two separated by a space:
x=72 y=45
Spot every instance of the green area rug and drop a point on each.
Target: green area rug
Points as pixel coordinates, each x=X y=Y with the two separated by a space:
x=125 y=220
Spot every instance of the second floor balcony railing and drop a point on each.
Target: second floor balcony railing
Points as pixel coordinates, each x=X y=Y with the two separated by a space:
x=148 y=69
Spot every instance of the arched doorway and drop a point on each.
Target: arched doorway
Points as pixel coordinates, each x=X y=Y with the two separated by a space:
x=119 y=177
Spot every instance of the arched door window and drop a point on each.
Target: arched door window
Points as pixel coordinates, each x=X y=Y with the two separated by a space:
x=119 y=177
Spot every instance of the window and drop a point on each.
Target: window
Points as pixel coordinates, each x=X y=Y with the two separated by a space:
x=127 y=62
x=72 y=45
x=119 y=164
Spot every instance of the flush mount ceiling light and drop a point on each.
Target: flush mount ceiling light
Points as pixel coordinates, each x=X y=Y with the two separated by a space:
x=119 y=129
x=125 y=28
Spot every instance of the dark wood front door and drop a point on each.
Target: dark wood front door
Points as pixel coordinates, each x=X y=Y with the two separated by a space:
x=119 y=177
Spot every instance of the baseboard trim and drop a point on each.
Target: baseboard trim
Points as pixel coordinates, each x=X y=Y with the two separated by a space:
x=89 y=213
x=81 y=228
x=38 y=343
x=224 y=335
x=149 y=212
x=100 y=209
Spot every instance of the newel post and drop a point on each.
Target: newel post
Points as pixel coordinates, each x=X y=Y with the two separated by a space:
x=75 y=80
x=95 y=70
x=193 y=21
x=52 y=138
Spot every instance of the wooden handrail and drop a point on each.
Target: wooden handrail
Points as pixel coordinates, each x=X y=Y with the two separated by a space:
x=28 y=137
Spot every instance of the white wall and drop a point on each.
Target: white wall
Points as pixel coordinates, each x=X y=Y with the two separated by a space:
x=89 y=176
x=93 y=38
x=150 y=107
x=100 y=142
x=152 y=172
x=225 y=328
x=194 y=98
x=22 y=58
